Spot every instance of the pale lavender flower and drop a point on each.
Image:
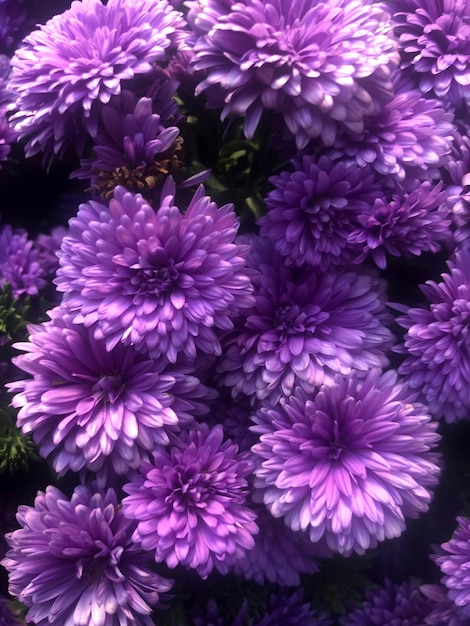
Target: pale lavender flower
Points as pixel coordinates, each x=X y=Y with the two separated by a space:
x=436 y=343
x=66 y=69
x=87 y=407
x=165 y=282
x=434 y=37
x=190 y=502
x=279 y=555
x=321 y=65
x=453 y=559
x=132 y=148
x=305 y=327
x=74 y=562
x=349 y=464
x=313 y=209
x=409 y=137
x=405 y=225
x=20 y=263
x=391 y=605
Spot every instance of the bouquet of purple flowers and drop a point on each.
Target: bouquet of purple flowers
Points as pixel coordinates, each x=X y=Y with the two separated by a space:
x=235 y=313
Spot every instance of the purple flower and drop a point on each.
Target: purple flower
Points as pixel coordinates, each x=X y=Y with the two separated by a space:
x=8 y=615
x=434 y=37
x=408 y=137
x=279 y=554
x=306 y=326
x=406 y=225
x=189 y=502
x=390 y=605
x=349 y=464
x=162 y=281
x=74 y=562
x=20 y=263
x=132 y=148
x=313 y=209
x=87 y=407
x=78 y=60
x=14 y=20
x=443 y=611
x=291 y=610
x=454 y=560
x=436 y=343
x=321 y=66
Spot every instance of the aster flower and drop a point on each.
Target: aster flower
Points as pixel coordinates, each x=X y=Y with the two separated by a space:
x=349 y=464
x=436 y=342
x=313 y=209
x=291 y=610
x=409 y=137
x=391 y=605
x=321 y=66
x=8 y=615
x=434 y=37
x=305 y=327
x=74 y=562
x=443 y=612
x=279 y=555
x=87 y=407
x=14 y=20
x=19 y=262
x=162 y=281
x=134 y=149
x=189 y=502
x=78 y=60
x=453 y=559
x=406 y=225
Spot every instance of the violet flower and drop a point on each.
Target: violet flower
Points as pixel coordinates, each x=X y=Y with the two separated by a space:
x=74 y=562
x=66 y=69
x=320 y=65
x=87 y=407
x=436 y=342
x=164 y=282
x=350 y=464
x=190 y=503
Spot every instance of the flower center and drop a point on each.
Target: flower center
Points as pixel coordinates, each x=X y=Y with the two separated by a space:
x=109 y=386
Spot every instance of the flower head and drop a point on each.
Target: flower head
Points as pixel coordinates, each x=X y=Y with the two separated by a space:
x=406 y=225
x=390 y=605
x=87 y=407
x=20 y=263
x=305 y=327
x=78 y=60
x=313 y=209
x=132 y=148
x=454 y=560
x=443 y=611
x=409 y=137
x=349 y=464
x=434 y=38
x=189 y=503
x=437 y=342
x=321 y=66
x=74 y=562
x=162 y=281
